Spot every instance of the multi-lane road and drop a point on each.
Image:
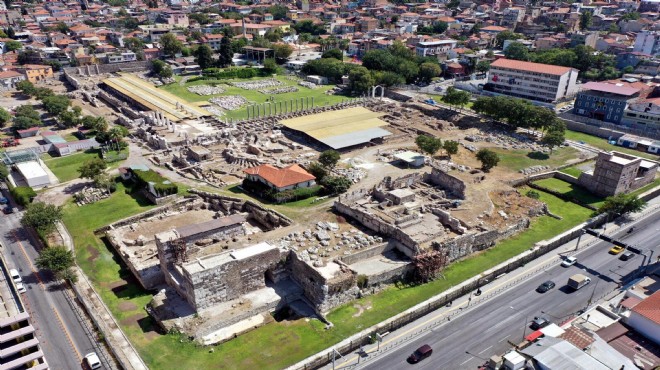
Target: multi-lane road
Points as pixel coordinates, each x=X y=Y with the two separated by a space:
x=64 y=336
x=469 y=339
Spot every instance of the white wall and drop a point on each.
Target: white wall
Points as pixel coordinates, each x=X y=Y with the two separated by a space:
x=644 y=326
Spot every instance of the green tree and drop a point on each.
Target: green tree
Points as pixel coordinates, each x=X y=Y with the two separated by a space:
x=13 y=45
x=336 y=184
x=42 y=216
x=226 y=53
x=26 y=87
x=427 y=71
x=318 y=170
x=428 y=144
x=270 y=66
x=331 y=68
x=622 y=203
x=360 y=80
x=282 y=51
x=43 y=92
x=586 y=19
x=453 y=96
x=488 y=159
x=388 y=79
x=92 y=168
x=105 y=181
x=57 y=259
x=553 y=138
x=134 y=44
x=171 y=45
x=4 y=117
x=56 y=104
x=333 y=53
x=450 y=147
x=329 y=158
x=204 y=56
x=630 y=16
x=4 y=171
x=278 y=11
x=483 y=66
x=69 y=118
x=506 y=35
x=517 y=50
x=94 y=123
x=161 y=68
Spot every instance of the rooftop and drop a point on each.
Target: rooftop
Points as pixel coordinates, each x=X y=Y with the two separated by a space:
x=531 y=67
x=194 y=229
x=618 y=89
x=281 y=177
x=650 y=307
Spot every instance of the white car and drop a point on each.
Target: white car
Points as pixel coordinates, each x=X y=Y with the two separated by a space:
x=15 y=276
x=93 y=361
x=20 y=288
x=569 y=261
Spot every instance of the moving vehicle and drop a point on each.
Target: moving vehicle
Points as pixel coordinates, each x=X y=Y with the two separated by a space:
x=631 y=229
x=545 y=286
x=93 y=361
x=420 y=354
x=626 y=256
x=20 y=288
x=15 y=276
x=569 y=261
x=616 y=249
x=539 y=322
x=577 y=281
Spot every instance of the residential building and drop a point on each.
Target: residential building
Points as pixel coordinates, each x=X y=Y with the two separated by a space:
x=647 y=42
x=9 y=79
x=435 y=47
x=534 y=81
x=604 y=101
x=645 y=317
x=124 y=57
x=280 y=179
x=36 y=72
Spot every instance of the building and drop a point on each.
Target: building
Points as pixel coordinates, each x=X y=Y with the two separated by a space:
x=9 y=79
x=604 y=101
x=35 y=176
x=647 y=42
x=429 y=48
x=616 y=173
x=36 y=72
x=534 y=81
x=291 y=177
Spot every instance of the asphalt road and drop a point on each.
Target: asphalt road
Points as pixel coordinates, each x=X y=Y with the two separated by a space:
x=64 y=338
x=486 y=329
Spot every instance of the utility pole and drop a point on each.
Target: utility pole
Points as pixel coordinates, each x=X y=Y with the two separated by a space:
x=577 y=245
x=334 y=354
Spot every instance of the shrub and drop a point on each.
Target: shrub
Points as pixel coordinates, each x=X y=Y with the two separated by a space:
x=362 y=281
x=263 y=191
x=23 y=194
x=533 y=194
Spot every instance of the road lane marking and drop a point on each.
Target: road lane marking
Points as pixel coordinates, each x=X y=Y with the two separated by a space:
x=466 y=361
x=485 y=349
x=29 y=261
x=66 y=332
x=503 y=339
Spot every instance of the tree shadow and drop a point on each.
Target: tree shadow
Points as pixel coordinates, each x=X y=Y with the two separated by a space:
x=540 y=156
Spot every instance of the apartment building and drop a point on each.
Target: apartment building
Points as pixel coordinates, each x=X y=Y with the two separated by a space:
x=647 y=42
x=534 y=81
x=435 y=47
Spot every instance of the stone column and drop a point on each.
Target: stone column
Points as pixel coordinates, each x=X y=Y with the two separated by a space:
x=296 y=105
x=312 y=102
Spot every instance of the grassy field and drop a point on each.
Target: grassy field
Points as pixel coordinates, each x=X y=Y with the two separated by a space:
x=66 y=168
x=604 y=145
x=253 y=96
x=648 y=187
x=571 y=190
x=573 y=171
x=275 y=345
x=519 y=159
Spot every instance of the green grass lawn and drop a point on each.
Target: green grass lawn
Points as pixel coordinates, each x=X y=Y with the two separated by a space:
x=274 y=345
x=519 y=159
x=573 y=171
x=66 y=168
x=648 y=187
x=253 y=96
x=571 y=190
x=604 y=145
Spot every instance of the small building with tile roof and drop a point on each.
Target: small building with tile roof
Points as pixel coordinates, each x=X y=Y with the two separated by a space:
x=290 y=177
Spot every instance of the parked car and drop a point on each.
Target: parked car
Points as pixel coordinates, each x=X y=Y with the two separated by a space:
x=93 y=361
x=545 y=286
x=7 y=210
x=569 y=261
x=20 y=288
x=15 y=276
x=626 y=256
x=616 y=249
x=420 y=354
x=4 y=200
x=539 y=322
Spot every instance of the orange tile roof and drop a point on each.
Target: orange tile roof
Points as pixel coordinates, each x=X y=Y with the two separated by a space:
x=530 y=67
x=650 y=307
x=281 y=177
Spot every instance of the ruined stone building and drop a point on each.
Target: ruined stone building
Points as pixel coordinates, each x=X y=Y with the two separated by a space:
x=617 y=172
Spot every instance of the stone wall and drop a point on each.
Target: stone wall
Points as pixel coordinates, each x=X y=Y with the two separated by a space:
x=366 y=253
x=451 y=184
x=148 y=276
x=467 y=244
x=185 y=203
x=96 y=69
x=391 y=276
x=448 y=220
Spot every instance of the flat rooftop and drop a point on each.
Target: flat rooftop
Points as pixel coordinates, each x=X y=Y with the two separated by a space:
x=31 y=170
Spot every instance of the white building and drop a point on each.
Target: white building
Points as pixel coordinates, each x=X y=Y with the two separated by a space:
x=35 y=176
x=647 y=42
x=533 y=81
x=645 y=317
x=426 y=48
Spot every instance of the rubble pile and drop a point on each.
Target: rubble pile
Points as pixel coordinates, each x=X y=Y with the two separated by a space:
x=279 y=90
x=229 y=102
x=257 y=85
x=307 y=84
x=513 y=141
x=206 y=90
x=534 y=169
x=90 y=195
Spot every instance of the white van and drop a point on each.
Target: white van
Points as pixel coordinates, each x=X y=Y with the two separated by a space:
x=15 y=276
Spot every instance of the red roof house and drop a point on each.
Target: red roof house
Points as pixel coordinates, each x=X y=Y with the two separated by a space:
x=291 y=177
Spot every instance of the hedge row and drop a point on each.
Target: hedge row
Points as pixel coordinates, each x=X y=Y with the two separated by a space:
x=22 y=194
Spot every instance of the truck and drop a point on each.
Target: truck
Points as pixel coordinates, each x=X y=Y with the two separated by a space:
x=577 y=281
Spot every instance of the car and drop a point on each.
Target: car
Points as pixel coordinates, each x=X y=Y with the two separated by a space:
x=7 y=210
x=420 y=354
x=545 y=286
x=93 y=361
x=15 y=276
x=20 y=288
x=626 y=256
x=4 y=200
x=616 y=249
x=569 y=261
x=539 y=322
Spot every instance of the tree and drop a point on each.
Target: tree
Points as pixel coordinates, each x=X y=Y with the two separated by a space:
x=333 y=53
x=69 y=118
x=553 y=138
x=13 y=45
x=427 y=71
x=282 y=51
x=43 y=92
x=97 y=124
x=622 y=203
x=225 y=53
x=27 y=56
x=26 y=87
x=56 y=104
x=57 y=259
x=4 y=117
x=105 y=181
x=42 y=216
x=488 y=159
x=331 y=68
x=360 y=80
x=517 y=50
x=329 y=158
x=171 y=45
x=134 y=44
x=278 y=11
x=10 y=32
x=387 y=78
x=318 y=170
x=506 y=35
x=456 y=97
x=161 y=68
x=91 y=168
x=428 y=144
x=586 y=19
x=204 y=56
x=450 y=147
x=483 y=66
x=336 y=184
x=270 y=65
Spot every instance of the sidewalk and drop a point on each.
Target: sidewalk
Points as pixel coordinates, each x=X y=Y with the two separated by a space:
x=121 y=347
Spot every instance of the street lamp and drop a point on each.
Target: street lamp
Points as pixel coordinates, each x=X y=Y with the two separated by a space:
x=577 y=245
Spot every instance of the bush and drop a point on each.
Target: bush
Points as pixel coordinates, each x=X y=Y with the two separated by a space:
x=162 y=186
x=216 y=73
x=362 y=281
x=533 y=194
x=23 y=194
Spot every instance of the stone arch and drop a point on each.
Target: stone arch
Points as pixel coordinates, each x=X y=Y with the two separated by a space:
x=374 y=90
